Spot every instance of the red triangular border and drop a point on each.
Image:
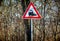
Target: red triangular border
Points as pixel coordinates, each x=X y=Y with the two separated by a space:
x=30 y=17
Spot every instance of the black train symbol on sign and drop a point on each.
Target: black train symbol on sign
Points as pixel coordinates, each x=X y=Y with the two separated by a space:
x=31 y=13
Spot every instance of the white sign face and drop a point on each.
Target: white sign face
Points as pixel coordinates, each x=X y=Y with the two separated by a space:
x=32 y=12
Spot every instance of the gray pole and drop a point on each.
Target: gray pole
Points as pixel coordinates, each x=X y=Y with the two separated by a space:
x=31 y=25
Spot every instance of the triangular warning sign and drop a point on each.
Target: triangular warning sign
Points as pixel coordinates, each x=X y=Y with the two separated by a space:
x=31 y=12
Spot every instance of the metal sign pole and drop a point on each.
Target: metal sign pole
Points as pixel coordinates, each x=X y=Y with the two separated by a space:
x=31 y=29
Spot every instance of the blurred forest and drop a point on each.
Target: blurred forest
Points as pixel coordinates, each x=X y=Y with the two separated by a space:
x=13 y=27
